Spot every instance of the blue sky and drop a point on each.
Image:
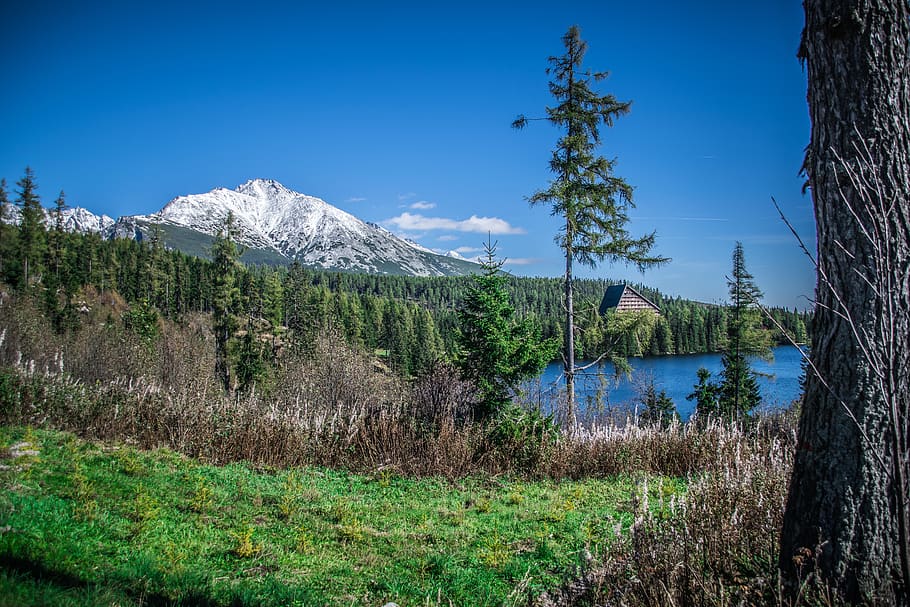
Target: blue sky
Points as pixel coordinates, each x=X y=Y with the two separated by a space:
x=400 y=114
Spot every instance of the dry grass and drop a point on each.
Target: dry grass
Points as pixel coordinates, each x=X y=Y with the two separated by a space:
x=713 y=544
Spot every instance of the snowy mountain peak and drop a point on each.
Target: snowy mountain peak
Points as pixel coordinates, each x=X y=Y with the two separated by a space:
x=271 y=217
x=268 y=188
x=75 y=219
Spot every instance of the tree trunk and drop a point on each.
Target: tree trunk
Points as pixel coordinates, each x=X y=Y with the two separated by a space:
x=846 y=514
x=569 y=366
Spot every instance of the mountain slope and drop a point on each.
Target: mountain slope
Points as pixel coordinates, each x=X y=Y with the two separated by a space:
x=284 y=226
x=75 y=219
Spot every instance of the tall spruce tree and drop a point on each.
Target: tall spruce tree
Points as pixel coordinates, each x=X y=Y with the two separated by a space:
x=593 y=202
x=224 y=298
x=746 y=337
x=7 y=232
x=55 y=237
x=32 y=230
x=496 y=351
x=847 y=519
x=4 y=202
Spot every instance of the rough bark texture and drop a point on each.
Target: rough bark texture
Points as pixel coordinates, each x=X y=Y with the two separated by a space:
x=846 y=512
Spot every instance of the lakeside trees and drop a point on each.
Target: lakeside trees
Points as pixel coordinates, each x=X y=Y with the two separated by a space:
x=593 y=202
x=847 y=522
x=737 y=393
x=745 y=338
x=496 y=350
x=407 y=322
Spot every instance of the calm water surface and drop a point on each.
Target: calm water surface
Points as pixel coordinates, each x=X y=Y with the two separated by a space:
x=779 y=379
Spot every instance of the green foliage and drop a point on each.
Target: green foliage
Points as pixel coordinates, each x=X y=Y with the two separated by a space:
x=32 y=231
x=524 y=434
x=142 y=319
x=9 y=239
x=706 y=394
x=737 y=392
x=358 y=307
x=495 y=350
x=745 y=333
x=273 y=301
x=481 y=541
x=245 y=547
x=249 y=358
x=746 y=337
x=659 y=408
x=225 y=295
x=593 y=202
x=202 y=500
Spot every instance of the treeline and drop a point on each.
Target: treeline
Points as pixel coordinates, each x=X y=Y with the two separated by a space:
x=409 y=321
x=685 y=326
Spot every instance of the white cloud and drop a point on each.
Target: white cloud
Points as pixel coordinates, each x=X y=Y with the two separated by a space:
x=423 y=205
x=406 y=196
x=356 y=199
x=521 y=261
x=447 y=238
x=464 y=250
x=479 y=225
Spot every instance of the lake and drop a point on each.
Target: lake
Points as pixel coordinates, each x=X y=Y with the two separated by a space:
x=778 y=379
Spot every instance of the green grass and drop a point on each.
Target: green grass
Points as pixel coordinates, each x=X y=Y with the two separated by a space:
x=90 y=524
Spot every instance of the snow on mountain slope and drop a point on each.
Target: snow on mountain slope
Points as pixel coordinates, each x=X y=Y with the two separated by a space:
x=75 y=219
x=81 y=220
x=269 y=216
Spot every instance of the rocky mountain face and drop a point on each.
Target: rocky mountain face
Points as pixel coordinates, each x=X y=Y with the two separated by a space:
x=75 y=219
x=277 y=226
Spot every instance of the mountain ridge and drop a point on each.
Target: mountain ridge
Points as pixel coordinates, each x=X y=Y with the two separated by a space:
x=276 y=225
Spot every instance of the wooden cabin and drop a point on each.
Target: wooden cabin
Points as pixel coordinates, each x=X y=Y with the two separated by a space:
x=623 y=298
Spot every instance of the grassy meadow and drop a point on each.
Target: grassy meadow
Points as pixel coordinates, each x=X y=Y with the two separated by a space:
x=93 y=524
x=128 y=478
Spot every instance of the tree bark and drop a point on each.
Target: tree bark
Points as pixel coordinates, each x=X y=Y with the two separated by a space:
x=846 y=514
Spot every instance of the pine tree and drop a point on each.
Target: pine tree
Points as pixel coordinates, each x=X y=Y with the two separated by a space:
x=31 y=226
x=8 y=234
x=157 y=284
x=273 y=307
x=495 y=350
x=4 y=203
x=706 y=394
x=398 y=337
x=659 y=408
x=739 y=392
x=250 y=359
x=55 y=238
x=593 y=202
x=426 y=342
x=224 y=300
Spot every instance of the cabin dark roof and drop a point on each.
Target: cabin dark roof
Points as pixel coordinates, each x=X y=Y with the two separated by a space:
x=614 y=294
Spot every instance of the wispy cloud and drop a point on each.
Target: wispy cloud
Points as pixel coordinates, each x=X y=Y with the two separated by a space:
x=447 y=238
x=356 y=199
x=402 y=197
x=479 y=225
x=467 y=250
x=521 y=261
x=423 y=205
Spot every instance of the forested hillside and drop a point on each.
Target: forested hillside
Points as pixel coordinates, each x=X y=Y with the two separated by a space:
x=408 y=320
